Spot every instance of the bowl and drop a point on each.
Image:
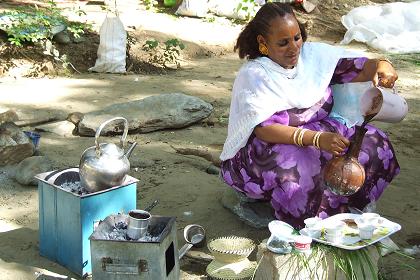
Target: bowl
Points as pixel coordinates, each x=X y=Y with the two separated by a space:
x=312 y=222
x=230 y=249
x=281 y=229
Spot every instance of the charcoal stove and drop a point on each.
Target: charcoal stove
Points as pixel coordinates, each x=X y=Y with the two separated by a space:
x=116 y=257
x=67 y=216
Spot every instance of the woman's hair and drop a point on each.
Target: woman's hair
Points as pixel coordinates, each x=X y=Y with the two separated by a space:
x=247 y=43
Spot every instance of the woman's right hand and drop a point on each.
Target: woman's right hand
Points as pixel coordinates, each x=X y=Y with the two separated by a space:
x=333 y=143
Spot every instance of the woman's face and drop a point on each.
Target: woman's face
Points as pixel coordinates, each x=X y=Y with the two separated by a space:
x=283 y=41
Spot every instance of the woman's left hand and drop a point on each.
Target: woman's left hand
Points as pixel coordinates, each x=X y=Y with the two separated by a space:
x=385 y=74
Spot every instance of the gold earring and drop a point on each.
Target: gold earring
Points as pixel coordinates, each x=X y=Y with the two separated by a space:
x=263 y=49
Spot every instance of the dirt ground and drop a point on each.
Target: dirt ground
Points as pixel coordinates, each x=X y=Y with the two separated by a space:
x=180 y=182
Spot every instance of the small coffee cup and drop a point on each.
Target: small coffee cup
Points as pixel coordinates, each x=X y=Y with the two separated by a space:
x=335 y=228
x=366 y=231
x=138 y=223
x=371 y=218
x=312 y=222
x=302 y=243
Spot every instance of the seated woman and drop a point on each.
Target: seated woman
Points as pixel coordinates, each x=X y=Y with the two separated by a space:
x=284 y=87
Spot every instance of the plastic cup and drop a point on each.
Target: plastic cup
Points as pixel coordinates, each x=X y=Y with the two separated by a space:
x=314 y=232
x=335 y=228
x=34 y=137
x=302 y=243
x=312 y=222
x=366 y=232
x=371 y=218
x=334 y=238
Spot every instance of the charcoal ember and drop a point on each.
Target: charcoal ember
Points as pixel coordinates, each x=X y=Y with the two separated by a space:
x=120 y=225
x=157 y=229
x=74 y=187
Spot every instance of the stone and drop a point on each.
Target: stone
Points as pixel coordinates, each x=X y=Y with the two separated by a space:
x=75 y=117
x=62 y=128
x=14 y=144
x=62 y=37
x=48 y=68
x=7 y=115
x=36 y=116
x=318 y=265
x=174 y=110
x=212 y=169
x=29 y=167
x=253 y=212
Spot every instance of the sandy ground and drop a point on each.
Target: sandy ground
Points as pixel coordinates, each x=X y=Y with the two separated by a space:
x=180 y=182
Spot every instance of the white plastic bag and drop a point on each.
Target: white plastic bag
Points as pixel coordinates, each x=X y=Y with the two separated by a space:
x=193 y=8
x=392 y=27
x=112 y=47
x=227 y=9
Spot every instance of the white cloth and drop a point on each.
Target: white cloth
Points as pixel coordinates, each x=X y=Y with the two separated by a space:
x=262 y=87
x=392 y=27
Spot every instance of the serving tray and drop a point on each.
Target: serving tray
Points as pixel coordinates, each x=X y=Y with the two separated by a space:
x=351 y=239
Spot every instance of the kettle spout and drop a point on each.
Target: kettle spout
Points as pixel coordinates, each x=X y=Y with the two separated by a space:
x=130 y=149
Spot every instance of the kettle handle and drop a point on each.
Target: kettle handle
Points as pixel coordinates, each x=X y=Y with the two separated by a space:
x=122 y=139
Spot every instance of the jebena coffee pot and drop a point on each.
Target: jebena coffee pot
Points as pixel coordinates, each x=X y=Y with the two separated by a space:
x=345 y=175
x=105 y=165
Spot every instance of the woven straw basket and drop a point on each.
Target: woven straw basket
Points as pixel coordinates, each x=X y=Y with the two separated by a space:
x=231 y=249
x=231 y=271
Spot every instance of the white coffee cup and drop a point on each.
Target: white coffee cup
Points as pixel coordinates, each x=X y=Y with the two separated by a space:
x=366 y=231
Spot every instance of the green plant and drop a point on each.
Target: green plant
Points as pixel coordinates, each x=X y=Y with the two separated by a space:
x=150 y=4
x=169 y=53
x=249 y=7
x=31 y=24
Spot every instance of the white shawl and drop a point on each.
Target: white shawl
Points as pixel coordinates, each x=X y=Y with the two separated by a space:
x=262 y=87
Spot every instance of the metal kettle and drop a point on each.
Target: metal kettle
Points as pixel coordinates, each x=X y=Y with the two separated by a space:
x=105 y=165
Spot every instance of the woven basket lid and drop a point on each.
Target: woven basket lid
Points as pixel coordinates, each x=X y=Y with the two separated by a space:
x=231 y=249
x=231 y=271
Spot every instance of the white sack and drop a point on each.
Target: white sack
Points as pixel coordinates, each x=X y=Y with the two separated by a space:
x=392 y=27
x=227 y=8
x=112 y=47
x=193 y=8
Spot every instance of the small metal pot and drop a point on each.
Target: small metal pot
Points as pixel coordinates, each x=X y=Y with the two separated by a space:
x=138 y=222
x=194 y=235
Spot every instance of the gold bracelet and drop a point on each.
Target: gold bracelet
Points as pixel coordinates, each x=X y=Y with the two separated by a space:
x=300 y=137
x=385 y=59
x=295 y=133
x=315 y=140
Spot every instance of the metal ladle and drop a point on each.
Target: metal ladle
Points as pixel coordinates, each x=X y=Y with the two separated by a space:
x=194 y=235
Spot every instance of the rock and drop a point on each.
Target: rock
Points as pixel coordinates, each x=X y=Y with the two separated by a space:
x=48 y=68
x=214 y=170
x=14 y=144
x=7 y=115
x=318 y=265
x=36 y=116
x=175 y=110
x=79 y=39
x=75 y=117
x=63 y=128
x=253 y=212
x=137 y=162
x=62 y=37
x=29 y=167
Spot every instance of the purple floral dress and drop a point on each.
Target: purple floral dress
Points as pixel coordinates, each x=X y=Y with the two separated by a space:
x=289 y=176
